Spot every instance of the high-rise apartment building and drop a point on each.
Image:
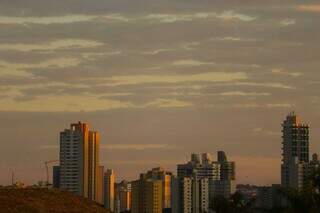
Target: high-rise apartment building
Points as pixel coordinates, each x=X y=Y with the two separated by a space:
x=190 y=195
x=295 y=152
x=79 y=161
x=165 y=176
x=220 y=176
x=147 y=194
x=100 y=186
x=226 y=185
x=109 y=188
x=204 y=168
x=122 y=197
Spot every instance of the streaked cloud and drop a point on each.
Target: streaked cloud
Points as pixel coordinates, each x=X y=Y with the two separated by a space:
x=287 y=22
x=62 y=103
x=240 y=93
x=67 y=19
x=168 y=103
x=309 y=8
x=275 y=85
x=183 y=17
x=137 y=146
x=191 y=62
x=51 y=45
x=280 y=71
x=155 y=52
x=265 y=105
x=20 y=69
x=202 y=77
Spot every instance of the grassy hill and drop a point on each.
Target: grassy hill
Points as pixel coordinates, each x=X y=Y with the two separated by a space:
x=45 y=201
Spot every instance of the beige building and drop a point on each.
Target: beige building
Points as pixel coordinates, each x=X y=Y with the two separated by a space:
x=146 y=195
x=165 y=176
x=109 y=187
x=100 y=186
x=79 y=161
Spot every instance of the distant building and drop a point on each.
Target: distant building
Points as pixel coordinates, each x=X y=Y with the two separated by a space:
x=56 y=176
x=100 y=186
x=203 y=168
x=79 y=161
x=269 y=197
x=226 y=185
x=165 y=176
x=220 y=176
x=190 y=195
x=146 y=195
x=295 y=152
x=122 y=197
x=109 y=195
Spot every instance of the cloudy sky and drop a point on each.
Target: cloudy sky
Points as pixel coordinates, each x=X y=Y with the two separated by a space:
x=159 y=79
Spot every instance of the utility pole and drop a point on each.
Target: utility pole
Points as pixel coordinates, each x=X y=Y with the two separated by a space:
x=12 y=178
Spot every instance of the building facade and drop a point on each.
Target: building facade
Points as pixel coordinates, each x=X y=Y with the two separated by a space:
x=295 y=152
x=190 y=195
x=79 y=161
x=109 y=188
x=146 y=195
x=218 y=175
x=122 y=197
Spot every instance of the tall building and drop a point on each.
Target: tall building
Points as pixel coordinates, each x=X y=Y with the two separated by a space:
x=146 y=195
x=79 y=160
x=165 y=176
x=109 y=184
x=122 y=197
x=220 y=176
x=100 y=186
x=226 y=185
x=56 y=176
x=204 y=168
x=295 y=152
x=190 y=195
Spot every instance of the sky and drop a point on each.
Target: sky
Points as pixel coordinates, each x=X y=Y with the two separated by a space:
x=159 y=79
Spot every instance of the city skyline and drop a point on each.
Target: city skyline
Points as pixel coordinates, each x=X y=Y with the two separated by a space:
x=172 y=166
x=157 y=78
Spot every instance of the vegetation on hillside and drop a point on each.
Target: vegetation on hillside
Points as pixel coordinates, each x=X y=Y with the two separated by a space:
x=33 y=200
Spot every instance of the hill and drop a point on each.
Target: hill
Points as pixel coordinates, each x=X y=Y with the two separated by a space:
x=32 y=200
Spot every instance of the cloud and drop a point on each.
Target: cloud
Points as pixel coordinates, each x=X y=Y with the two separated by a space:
x=151 y=18
x=183 y=17
x=67 y=19
x=202 y=77
x=232 y=15
x=152 y=163
x=309 y=8
x=231 y=38
x=51 y=46
x=275 y=85
x=137 y=146
x=240 y=93
x=287 y=22
x=62 y=103
x=156 y=52
x=266 y=105
x=91 y=56
x=168 y=103
x=191 y=62
x=172 y=18
x=283 y=72
x=20 y=69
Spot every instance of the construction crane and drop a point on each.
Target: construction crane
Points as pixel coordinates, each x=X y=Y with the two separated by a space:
x=47 y=168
